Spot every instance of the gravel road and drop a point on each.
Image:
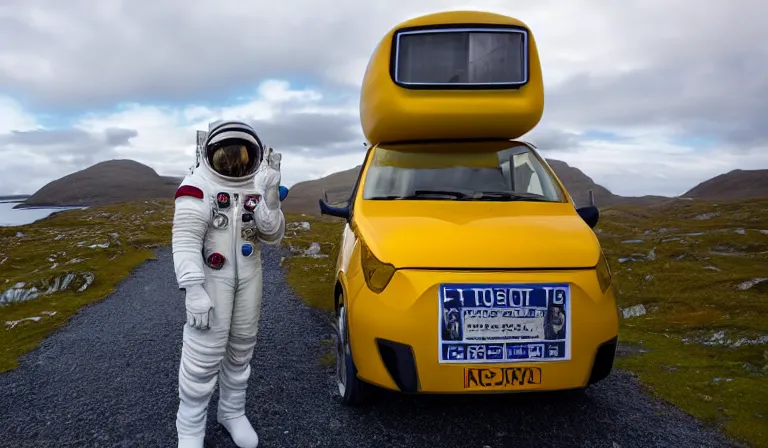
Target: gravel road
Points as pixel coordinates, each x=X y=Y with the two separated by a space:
x=109 y=378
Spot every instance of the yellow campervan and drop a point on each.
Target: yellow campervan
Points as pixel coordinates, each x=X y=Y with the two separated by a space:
x=464 y=265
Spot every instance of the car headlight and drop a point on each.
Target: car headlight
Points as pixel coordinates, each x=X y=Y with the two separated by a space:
x=377 y=273
x=603 y=273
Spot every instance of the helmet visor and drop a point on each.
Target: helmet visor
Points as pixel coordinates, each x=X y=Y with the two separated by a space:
x=234 y=157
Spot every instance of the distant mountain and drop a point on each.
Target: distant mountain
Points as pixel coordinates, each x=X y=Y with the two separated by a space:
x=126 y=180
x=304 y=195
x=737 y=184
x=579 y=184
x=105 y=183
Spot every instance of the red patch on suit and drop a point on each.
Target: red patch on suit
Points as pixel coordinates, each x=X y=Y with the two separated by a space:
x=189 y=190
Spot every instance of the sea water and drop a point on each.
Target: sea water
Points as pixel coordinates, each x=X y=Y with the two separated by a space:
x=20 y=216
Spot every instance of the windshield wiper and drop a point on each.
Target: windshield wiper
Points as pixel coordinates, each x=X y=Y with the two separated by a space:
x=452 y=193
x=427 y=194
x=509 y=196
x=385 y=198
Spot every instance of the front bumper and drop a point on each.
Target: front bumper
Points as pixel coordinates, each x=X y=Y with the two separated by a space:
x=394 y=336
x=400 y=363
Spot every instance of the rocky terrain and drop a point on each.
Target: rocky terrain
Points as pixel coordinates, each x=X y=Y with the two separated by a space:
x=51 y=268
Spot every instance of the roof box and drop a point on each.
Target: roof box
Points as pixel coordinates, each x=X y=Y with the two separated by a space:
x=453 y=75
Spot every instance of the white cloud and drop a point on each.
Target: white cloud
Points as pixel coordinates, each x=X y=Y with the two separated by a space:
x=13 y=117
x=652 y=72
x=165 y=136
x=640 y=167
x=642 y=163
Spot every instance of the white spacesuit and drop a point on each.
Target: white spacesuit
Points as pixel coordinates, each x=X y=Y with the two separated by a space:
x=227 y=205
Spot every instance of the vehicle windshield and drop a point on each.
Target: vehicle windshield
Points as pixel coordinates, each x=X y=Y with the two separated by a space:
x=497 y=171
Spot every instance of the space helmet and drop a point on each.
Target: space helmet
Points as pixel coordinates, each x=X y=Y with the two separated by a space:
x=232 y=149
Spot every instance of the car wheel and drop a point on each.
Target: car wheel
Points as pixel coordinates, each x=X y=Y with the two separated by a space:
x=352 y=390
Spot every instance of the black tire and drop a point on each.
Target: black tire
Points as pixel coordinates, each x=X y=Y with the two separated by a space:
x=352 y=390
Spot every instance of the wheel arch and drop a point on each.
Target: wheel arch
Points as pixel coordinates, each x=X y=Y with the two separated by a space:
x=339 y=289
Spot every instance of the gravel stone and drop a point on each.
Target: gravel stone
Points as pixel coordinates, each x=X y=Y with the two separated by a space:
x=109 y=379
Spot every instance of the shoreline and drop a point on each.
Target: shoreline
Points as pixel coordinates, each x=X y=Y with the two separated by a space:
x=24 y=206
x=47 y=211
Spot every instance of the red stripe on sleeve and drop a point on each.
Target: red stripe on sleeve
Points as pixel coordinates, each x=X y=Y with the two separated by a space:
x=189 y=190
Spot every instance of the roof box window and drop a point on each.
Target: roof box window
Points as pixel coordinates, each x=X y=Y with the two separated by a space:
x=461 y=57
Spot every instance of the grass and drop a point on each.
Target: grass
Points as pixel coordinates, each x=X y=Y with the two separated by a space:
x=688 y=285
x=312 y=278
x=59 y=245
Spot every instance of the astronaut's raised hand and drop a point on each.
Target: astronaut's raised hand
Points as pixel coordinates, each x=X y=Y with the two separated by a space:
x=270 y=220
x=268 y=179
x=199 y=306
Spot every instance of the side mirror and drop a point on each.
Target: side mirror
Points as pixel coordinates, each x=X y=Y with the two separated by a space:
x=590 y=214
x=283 y=193
x=330 y=210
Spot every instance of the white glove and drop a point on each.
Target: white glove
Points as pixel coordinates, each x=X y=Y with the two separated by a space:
x=268 y=179
x=199 y=307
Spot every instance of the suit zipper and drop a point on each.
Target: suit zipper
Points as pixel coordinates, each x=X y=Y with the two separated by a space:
x=236 y=217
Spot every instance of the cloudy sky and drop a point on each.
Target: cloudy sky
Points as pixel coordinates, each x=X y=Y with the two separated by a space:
x=645 y=96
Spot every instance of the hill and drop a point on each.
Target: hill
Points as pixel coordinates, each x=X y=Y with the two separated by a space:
x=737 y=184
x=116 y=181
x=304 y=195
x=107 y=182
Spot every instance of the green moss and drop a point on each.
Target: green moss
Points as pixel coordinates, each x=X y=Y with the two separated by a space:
x=312 y=278
x=57 y=246
x=716 y=385
x=691 y=292
x=687 y=300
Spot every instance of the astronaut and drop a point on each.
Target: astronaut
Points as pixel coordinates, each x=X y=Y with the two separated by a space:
x=227 y=205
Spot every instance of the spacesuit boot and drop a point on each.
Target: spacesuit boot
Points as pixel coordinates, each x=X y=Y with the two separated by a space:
x=219 y=219
x=241 y=431
x=191 y=442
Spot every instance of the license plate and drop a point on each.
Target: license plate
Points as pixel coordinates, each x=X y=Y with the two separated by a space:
x=504 y=323
x=500 y=377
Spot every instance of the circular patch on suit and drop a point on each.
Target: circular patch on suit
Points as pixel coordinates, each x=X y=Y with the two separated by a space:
x=220 y=221
x=247 y=249
x=222 y=199
x=215 y=261
x=251 y=201
x=247 y=217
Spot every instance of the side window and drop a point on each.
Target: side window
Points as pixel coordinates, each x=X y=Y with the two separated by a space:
x=525 y=175
x=506 y=171
x=357 y=184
